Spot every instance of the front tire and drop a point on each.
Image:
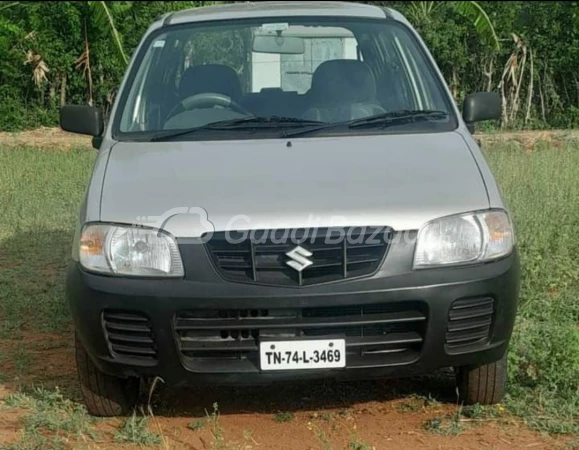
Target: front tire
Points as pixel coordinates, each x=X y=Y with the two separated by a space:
x=104 y=395
x=485 y=385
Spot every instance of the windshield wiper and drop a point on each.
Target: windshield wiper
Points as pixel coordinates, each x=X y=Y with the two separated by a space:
x=385 y=119
x=398 y=117
x=246 y=123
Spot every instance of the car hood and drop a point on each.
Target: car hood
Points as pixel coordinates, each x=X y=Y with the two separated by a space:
x=400 y=181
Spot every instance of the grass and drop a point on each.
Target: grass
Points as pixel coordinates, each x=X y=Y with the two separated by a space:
x=136 y=431
x=415 y=403
x=197 y=425
x=50 y=420
x=283 y=417
x=542 y=190
x=444 y=427
x=458 y=422
x=41 y=192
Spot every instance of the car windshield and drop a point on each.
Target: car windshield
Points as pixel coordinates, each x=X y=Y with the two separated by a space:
x=316 y=75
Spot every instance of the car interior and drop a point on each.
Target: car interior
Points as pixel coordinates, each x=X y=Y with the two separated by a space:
x=374 y=78
x=341 y=90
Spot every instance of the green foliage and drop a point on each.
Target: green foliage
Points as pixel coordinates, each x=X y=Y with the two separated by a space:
x=463 y=36
x=40 y=192
x=283 y=417
x=49 y=413
x=480 y=20
x=355 y=444
x=197 y=425
x=103 y=17
x=541 y=189
x=443 y=426
x=135 y=430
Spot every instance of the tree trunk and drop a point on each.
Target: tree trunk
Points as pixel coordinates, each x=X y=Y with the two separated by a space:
x=454 y=84
x=63 y=89
x=516 y=97
x=489 y=74
x=505 y=115
x=543 y=115
x=531 y=83
x=576 y=87
x=566 y=90
x=52 y=91
x=87 y=65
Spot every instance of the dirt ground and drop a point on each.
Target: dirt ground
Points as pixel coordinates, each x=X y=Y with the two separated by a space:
x=294 y=416
x=380 y=414
x=56 y=138
x=44 y=138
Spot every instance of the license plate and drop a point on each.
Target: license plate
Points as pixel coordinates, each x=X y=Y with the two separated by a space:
x=300 y=355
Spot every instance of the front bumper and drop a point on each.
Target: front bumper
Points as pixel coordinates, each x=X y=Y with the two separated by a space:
x=407 y=303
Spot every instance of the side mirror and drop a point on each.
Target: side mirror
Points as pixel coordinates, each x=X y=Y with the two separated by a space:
x=482 y=106
x=82 y=119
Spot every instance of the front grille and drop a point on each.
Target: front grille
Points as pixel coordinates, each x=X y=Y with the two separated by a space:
x=261 y=256
x=470 y=322
x=376 y=334
x=129 y=335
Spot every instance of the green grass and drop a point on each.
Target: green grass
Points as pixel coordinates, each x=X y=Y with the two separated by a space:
x=542 y=190
x=41 y=192
x=50 y=420
x=136 y=431
x=444 y=426
x=283 y=417
x=415 y=403
x=197 y=425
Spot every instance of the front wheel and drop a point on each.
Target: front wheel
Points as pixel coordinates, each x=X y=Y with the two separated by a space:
x=104 y=395
x=485 y=385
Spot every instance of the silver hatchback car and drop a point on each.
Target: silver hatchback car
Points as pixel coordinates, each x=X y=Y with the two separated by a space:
x=288 y=191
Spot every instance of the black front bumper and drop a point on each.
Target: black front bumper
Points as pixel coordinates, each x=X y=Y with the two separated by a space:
x=441 y=306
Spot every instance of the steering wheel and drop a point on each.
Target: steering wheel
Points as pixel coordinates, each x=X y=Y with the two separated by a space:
x=208 y=100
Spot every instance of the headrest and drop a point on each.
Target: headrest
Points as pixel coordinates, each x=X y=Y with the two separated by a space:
x=343 y=80
x=216 y=78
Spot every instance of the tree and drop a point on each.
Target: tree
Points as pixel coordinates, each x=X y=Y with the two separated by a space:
x=101 y=18
x=425 y=11
x=103 y=14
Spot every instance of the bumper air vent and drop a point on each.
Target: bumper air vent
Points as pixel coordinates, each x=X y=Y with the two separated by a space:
x=129 y=336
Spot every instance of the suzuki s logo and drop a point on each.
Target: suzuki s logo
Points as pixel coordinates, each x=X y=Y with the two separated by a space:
x=299 y=258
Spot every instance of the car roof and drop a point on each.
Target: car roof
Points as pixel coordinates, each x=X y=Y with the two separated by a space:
x=248 y=10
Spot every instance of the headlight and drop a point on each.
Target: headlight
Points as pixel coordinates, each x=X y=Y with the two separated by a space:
x=130 y=251
x=464 y=239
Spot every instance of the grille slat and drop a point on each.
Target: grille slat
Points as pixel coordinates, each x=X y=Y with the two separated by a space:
x=133 y=350
x=248 y=324
x=129 y=338
x=410 y=337
x=335 y=255
x=127 y=327
x=226 y=346
x=376 y=334
x=470 y=323
x=126 y=318
x=129 y=335
x=470 y=303
x=460 y=337
x=471 y=313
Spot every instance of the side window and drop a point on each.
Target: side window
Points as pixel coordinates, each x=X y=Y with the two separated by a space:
x=421 y=90
x=394 y=89
x=135 y=117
